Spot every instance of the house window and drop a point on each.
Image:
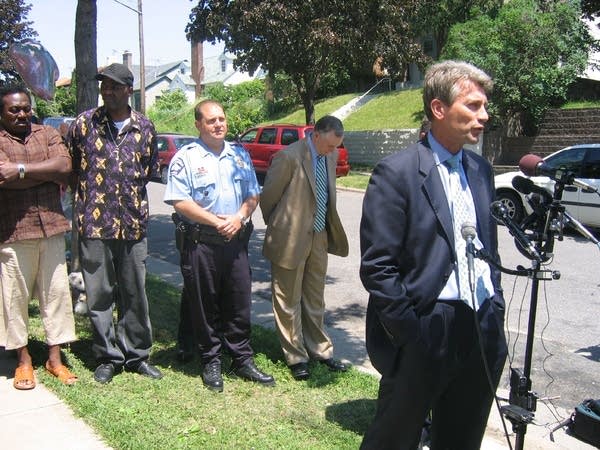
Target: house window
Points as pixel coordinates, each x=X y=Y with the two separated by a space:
x=223 y=65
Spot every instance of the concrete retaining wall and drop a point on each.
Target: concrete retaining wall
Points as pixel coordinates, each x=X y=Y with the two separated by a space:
x=368 y=147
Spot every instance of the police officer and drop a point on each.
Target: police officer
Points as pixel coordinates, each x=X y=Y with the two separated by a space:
x=213 y=187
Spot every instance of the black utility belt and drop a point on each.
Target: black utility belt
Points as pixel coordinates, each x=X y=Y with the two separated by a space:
x=209 y=235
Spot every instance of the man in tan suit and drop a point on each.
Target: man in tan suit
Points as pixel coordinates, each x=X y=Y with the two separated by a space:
x=298 y=204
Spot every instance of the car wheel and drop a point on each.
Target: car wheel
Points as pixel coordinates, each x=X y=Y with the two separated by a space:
x=164 y=175
x=513 y=205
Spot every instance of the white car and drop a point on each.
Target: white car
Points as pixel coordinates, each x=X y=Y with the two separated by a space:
x=584 y=205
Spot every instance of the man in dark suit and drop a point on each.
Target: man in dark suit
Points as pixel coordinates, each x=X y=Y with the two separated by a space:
x=421 y=319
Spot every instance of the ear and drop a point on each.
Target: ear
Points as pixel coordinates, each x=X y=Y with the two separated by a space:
x=198 y=125
x=438 y=108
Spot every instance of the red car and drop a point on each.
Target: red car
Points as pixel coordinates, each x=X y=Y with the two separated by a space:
x=263 y=142
x=168 y=144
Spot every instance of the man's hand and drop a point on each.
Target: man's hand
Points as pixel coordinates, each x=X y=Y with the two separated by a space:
x=9 y=171
x=230 y=226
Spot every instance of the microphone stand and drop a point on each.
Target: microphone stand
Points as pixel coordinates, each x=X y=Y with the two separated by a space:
x=522 y=400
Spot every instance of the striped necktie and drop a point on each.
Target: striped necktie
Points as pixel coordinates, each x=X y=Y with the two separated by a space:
x=322 y=195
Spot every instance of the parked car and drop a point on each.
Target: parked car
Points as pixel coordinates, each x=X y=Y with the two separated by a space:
x=584 y=205
x=168 y=144
x=60 y=123
x=263 y=142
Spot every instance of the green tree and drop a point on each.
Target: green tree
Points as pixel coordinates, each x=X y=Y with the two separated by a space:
x=590 y=8
x=63 y=104
x=305 y=39
x=533 y=53
x=13 y=28
x=171 y=101
x=244 y=104
x=436 y=18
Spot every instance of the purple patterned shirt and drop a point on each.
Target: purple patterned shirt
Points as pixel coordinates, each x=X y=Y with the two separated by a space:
x=113 y=169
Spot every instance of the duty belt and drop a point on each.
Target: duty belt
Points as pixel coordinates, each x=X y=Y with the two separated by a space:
x=209 y=235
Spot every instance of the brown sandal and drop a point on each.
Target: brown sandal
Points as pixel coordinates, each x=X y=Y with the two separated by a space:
x=24 y=378
x=64 y=375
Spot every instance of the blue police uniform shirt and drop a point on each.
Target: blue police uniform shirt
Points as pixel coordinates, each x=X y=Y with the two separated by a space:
x=218 y=183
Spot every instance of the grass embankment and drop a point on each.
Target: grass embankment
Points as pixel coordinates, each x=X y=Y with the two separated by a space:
x=389 y=111
x=329 y=411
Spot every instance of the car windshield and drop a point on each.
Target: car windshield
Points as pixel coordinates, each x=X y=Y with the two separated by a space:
x=568 y=160
x=182 y=142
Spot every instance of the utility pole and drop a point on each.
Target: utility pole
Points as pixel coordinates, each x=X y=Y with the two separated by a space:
x=142 y=65
x=138 y=11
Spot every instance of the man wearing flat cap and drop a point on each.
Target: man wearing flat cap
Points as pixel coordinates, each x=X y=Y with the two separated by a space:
x=114 y=155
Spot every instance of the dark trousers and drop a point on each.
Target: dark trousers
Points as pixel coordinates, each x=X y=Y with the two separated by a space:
x=218 y=285
x=442 y=371
x=185 y=329
x=109 y=264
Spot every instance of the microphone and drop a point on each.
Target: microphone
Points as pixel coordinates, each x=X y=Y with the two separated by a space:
x=500 y=213
x=469 y=232
x=532 y=166
x=527 y=186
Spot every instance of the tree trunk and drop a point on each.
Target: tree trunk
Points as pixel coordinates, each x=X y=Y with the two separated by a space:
x=86 y=65
x=309 y=109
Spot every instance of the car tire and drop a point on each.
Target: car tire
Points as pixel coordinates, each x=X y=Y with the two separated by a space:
x=512 y=203
x=164 y=175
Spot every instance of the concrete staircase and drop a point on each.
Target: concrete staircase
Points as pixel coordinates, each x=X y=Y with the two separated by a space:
x=564 y=127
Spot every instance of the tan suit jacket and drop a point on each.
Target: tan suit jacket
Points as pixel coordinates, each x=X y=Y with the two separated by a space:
x=288 y=203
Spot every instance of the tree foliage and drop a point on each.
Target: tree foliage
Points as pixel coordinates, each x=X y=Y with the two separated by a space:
x=171 y=101
x=64 y=102
x=13 y=28
x=590 y=8
x=533 y=52
x=244 y=104
x=305 y=39
x=437 y=17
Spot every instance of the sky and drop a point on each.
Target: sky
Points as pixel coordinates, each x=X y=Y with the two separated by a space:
x=164 y=23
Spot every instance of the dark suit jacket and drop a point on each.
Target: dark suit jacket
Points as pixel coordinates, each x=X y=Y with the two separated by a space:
x=407 y=244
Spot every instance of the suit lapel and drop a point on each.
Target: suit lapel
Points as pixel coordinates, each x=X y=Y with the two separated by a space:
x=307 y=164
x=432 y=184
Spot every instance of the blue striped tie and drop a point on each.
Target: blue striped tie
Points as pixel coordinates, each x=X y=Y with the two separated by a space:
x=321 y=184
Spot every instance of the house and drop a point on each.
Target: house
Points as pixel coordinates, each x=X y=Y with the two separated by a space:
x=191 y=78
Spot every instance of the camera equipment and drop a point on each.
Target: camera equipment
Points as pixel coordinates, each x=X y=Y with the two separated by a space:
x=535 y=239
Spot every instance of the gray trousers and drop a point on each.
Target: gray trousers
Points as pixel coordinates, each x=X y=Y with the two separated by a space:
x=114 y=272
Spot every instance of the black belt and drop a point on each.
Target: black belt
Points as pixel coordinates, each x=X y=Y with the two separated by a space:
x=209 y=235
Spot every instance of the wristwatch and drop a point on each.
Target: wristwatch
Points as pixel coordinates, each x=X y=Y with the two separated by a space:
x=21 y=168
x=243 y=219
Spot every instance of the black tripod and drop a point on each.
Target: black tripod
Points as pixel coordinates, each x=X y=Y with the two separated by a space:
x=545 y=222
x=543 y=226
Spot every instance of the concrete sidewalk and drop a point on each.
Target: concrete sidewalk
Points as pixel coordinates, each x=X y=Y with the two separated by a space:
x=38 y=419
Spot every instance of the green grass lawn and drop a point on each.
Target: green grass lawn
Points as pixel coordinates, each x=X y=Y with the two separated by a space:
x=322 y=107
x=390 y=111
x=329 y=411
x=354 y=180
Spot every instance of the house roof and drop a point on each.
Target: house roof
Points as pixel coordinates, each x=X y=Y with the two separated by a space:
x=168 y=72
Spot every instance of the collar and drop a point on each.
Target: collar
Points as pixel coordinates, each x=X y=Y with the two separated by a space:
x=440 y=154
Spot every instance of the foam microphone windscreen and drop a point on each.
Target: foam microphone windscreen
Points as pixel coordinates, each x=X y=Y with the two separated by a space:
x=528 y=164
